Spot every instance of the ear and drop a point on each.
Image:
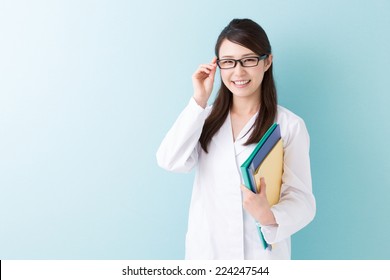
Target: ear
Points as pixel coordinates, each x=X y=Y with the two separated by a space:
x=268 y=62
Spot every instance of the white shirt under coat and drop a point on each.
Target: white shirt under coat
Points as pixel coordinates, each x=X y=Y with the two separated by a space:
x=218 y=226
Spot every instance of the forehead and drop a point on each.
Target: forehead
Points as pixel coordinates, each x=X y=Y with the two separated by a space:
x=233 y=50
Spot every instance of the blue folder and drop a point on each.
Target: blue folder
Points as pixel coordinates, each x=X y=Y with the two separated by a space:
x=262 y=149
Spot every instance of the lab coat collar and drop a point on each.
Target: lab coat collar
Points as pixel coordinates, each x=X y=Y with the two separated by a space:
x=243 y=136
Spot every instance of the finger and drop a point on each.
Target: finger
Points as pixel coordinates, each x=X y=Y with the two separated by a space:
x=206 y=68
x=214 y=64
x=214 y=67
x=244 y=189
x=263 y=186
x=207 y=73
x=212 y=73
x=209 y=66
x=202 y=73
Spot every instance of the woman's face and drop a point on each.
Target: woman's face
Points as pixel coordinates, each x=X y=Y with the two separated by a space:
x=242 y=81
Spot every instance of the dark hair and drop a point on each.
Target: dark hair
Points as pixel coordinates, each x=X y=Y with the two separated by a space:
x=249 y=34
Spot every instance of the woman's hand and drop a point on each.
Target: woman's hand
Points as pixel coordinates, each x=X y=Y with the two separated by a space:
x=203 y=81
x=257 y=204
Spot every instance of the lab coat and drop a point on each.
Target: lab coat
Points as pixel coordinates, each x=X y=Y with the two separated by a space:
x=218 y=226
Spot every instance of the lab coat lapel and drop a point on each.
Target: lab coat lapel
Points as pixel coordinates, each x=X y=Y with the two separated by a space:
x=224 y=138
x=243 y=136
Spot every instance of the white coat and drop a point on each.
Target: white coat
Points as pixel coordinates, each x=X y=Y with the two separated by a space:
x=218 y=226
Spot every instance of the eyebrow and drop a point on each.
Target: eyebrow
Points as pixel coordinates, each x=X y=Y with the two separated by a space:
x=244 y=55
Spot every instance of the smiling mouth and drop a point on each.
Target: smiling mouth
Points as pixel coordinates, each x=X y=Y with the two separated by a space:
x=241 y=82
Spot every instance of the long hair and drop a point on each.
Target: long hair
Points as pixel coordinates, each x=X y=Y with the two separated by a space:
x=249 y=34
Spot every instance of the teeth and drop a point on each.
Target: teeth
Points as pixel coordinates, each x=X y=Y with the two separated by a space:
x=241 y=82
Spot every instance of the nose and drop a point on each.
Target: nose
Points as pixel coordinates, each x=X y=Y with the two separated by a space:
x=239 y=68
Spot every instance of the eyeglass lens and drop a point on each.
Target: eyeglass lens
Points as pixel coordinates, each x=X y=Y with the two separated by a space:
x=245 y=62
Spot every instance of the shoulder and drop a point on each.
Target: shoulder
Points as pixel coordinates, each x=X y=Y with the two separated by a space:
x=291 y=125
x=286 y=116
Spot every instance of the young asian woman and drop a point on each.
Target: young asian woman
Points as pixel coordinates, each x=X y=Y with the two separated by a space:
x=216 y=139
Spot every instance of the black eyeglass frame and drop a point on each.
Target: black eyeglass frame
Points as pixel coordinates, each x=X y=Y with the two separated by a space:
x=259 y=58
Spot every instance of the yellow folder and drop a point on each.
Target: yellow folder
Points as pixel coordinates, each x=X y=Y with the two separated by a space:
x=271 y=169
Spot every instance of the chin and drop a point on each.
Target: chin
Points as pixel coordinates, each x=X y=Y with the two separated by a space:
x=244 y=93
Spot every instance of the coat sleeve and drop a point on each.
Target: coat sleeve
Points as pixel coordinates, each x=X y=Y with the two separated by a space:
x=297 y=205
x=179 y=149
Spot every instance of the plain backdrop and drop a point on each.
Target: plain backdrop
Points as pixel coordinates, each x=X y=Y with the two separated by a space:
x=88 y=90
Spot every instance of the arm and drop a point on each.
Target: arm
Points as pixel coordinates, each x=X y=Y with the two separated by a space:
x=179 y=149
x=297 y=206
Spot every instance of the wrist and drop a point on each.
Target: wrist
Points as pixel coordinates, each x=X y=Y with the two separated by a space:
x=200 y=101
x=266 y=218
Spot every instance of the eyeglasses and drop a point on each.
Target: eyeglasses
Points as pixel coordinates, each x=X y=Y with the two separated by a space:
x=250 y=61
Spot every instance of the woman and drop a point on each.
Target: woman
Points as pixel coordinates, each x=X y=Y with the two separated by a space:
x=217 y=139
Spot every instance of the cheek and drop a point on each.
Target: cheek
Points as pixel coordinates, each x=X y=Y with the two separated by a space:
x=225 y=79
x=258 y=77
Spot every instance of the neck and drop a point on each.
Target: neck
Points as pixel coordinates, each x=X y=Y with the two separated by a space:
x=248 y=105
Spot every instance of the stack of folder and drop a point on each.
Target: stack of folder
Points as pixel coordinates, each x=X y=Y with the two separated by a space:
x=266 y=161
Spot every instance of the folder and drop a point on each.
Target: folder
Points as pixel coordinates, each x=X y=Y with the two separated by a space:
x=266 y=161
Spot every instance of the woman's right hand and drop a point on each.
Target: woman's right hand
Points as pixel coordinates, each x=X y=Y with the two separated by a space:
x=203 y=81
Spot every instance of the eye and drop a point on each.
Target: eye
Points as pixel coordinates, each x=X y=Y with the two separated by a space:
x=226 y=62
x=250 y=60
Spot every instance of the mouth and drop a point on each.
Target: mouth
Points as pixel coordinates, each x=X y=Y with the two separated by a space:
x=241 y=83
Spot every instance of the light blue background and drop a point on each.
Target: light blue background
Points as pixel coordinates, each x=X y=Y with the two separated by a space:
x=88 y=89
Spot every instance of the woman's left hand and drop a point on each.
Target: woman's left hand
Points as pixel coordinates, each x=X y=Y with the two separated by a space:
x=257 y=204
